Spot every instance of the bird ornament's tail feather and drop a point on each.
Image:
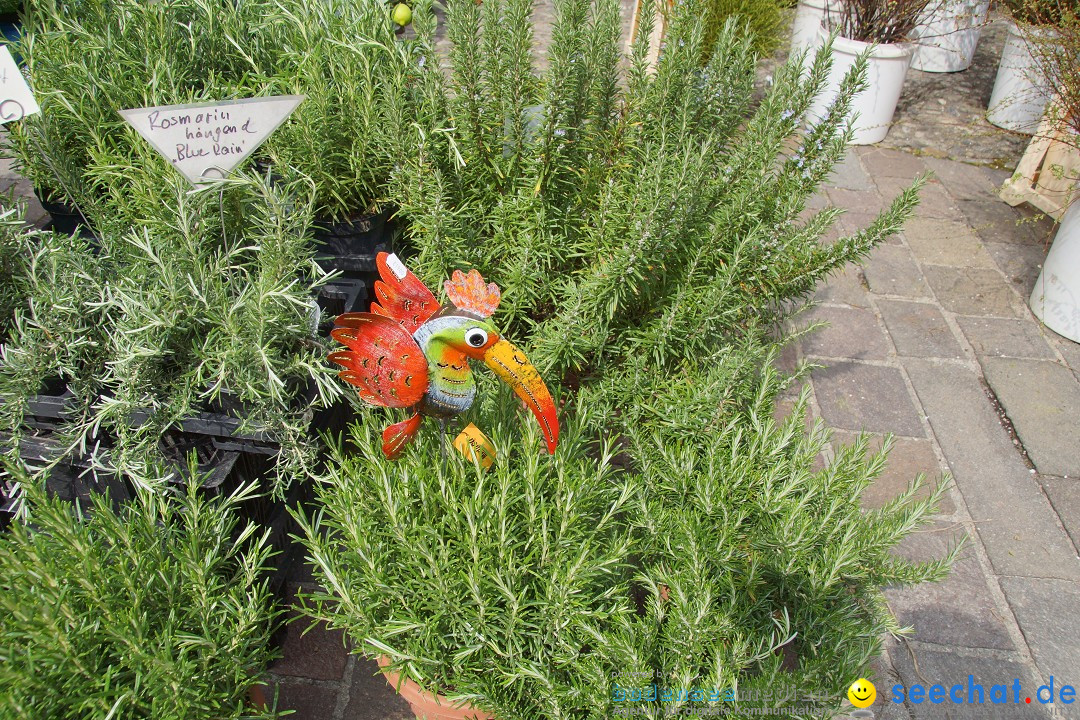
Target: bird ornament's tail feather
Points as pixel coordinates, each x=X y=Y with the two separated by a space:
x=397 y=436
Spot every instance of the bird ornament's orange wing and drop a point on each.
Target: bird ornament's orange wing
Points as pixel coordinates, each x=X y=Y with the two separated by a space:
x=400 y=294
x=383 y=361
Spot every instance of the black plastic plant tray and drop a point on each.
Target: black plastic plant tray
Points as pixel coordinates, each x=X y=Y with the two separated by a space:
x=223 y=425
x=351 y=245
x=52 y=401
x=215 y=465
x=220 y=426
x=73 y=476
x=7 y=503
x=344 y=295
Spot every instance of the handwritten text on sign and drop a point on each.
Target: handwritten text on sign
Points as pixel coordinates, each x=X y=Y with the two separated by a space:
x=206 y=141
x=16 y=99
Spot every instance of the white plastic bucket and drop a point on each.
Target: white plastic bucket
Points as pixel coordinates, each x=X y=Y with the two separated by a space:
x=946 y=41
x=1056 y=297
x=1020 y=91
x=875 y=106
x=809 y=17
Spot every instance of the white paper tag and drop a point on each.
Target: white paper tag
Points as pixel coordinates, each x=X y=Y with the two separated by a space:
x=396 y=266
x=16 y=99
x=205 y=141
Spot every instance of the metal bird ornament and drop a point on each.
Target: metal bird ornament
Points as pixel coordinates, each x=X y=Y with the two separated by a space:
x=410 y=352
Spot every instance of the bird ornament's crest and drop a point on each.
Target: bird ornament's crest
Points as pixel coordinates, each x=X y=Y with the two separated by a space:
x=411 y=352
x=468 y=292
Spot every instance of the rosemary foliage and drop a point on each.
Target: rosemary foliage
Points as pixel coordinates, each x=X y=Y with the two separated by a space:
x=158 y=609
x=650 y=232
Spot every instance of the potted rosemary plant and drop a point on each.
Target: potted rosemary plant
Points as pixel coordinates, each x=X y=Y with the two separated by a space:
x=78 y=152
x=645 y=249
x=164 y=611
x=345 y=58
x=884 y=28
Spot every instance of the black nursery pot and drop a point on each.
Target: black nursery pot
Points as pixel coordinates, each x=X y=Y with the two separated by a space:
x=351 y=245
x=66 y=219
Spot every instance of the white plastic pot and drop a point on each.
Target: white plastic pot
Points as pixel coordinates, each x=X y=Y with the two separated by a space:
x=875 y=105
x=809 y=17
x=945 y=41
x=1056 y=297
x=1020 y=91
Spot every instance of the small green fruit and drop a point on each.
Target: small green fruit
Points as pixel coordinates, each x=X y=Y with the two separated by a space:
x=402 y=14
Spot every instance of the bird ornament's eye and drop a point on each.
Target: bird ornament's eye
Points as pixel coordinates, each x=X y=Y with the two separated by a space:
x=476 y=337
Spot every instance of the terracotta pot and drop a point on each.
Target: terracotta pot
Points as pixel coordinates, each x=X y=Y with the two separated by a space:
x=426 y=705
x=257 y=696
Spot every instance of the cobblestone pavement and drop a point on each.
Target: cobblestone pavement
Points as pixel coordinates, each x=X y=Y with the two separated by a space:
x=931 y=341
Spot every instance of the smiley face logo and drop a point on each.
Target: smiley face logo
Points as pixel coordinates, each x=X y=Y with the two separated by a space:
x=862 y=693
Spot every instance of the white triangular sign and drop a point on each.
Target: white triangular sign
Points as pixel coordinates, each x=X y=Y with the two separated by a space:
x=205 y=141
x=16 y=99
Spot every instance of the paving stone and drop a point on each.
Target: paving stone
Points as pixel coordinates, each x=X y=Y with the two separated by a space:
x=884 y=675
x=965 y=182
x=853 y=396
x=1042 y=399
x=959 y=610
x=1048 y=612
x=944 y=242
x=849 y=174
x=818 y=201
x=851 y=333
x=1013 y=518
x=891 y=270
x=814 y=204
x=372 y=698
x=307 y=701
x=918 y=329
x=785 y=405
x=885 y=162
x=865 y=202
x=943 y=114
x=1004 y=337
x=1020 y=264
x=318 y=654
x=908 y=458
x=995 y=221
x=844 y=287
x=852 y=223
x=35 y=214
x=934 y=199
x=971 y=291
x=1064 y=494
x=788 y=359
x=1069 y=349
x=948 y=667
